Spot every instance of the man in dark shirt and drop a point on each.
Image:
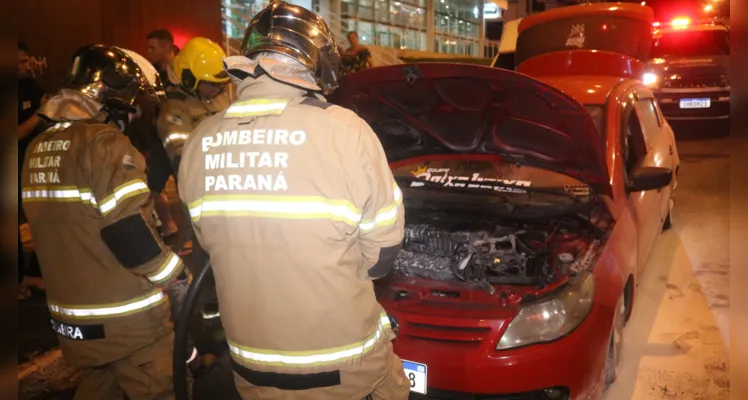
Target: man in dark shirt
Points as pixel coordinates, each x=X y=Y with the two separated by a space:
x=161 y=52
x=30 y=97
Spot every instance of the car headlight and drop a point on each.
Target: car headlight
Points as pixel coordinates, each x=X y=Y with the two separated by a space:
x=650 y=79
x=553 y=316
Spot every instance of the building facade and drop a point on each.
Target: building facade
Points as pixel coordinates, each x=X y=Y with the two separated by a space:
x=443 y=26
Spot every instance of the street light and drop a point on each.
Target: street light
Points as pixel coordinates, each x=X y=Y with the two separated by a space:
x=708 y=8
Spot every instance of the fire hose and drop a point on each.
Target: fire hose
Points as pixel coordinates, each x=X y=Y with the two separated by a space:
x=182 y=333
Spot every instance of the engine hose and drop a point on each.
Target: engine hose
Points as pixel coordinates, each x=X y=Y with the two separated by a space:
x=182 y=333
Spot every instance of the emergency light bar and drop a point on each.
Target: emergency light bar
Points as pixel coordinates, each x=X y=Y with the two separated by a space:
x=680 y=22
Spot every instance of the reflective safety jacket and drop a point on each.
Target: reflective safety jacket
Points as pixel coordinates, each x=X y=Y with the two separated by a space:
x=181 y=114
x=293 y=199
x=104 y=266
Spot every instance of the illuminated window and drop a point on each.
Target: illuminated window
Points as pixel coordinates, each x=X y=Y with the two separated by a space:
x=392 y=23
x=400 y=24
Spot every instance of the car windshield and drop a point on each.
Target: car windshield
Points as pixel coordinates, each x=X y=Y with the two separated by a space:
x=691 y=44
x=609 y=33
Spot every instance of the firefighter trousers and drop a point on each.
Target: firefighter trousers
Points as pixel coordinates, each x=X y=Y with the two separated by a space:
x=144 y=375
x=391 y=384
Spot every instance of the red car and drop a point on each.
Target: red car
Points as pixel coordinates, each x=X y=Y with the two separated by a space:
x=531 y=204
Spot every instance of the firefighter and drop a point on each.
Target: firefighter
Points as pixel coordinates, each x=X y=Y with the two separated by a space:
x=200 y=93
x=293 y=200
x=109 y=276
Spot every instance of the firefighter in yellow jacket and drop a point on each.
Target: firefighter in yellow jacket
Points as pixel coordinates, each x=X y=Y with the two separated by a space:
x=293 y=200
x=108 y=274
x=198 y=92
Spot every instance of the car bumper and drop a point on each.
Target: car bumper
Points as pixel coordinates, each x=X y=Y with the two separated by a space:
x=669 y=101
x=459 y=369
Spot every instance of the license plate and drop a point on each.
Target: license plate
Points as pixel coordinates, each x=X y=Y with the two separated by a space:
x=416 y=374
x=695 y=103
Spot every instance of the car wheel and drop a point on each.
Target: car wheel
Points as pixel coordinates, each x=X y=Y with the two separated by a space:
x=615 y=349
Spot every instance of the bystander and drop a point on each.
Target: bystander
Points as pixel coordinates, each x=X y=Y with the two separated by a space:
x=161 y=53
x=356 y=57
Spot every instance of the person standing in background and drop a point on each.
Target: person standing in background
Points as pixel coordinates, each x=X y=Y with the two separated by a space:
x=355 y=44
x=356 y=57
x=161 y=53
x=30 y=97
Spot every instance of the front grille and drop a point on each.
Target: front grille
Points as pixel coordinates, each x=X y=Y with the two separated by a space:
x=670 y=104
x=557 y=393
x=446 y=333
x=720 y=108
x=695 y=81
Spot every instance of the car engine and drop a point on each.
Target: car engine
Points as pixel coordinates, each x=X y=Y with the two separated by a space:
x=521 y=255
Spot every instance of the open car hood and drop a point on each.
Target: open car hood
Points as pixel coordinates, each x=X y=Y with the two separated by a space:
x=458 y=108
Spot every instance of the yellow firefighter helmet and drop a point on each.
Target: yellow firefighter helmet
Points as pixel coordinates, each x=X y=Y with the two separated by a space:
x=201 y=59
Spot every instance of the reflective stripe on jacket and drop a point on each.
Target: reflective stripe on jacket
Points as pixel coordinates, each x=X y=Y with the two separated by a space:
x=77 y=179
x=318 y=357
x=108 y=310
x=295 y=207
x=293 y=200
x=72 y=193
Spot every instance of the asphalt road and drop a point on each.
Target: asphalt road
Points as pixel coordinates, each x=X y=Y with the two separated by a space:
x=676 y=343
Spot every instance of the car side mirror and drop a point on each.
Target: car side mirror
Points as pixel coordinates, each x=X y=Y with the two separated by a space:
x=649 y=178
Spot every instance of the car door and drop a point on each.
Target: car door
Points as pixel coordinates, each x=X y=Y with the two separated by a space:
x=660 y=149
x=643 y=206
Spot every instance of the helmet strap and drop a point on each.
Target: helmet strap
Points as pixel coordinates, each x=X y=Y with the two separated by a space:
x=328 y=79
x=120 y=121
x=118 y=113
x=189 y=90
x=189 y=81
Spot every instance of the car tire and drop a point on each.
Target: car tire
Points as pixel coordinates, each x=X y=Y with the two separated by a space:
x=615 y=349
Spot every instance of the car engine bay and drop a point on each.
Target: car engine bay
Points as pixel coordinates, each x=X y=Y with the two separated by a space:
x=486 y=253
